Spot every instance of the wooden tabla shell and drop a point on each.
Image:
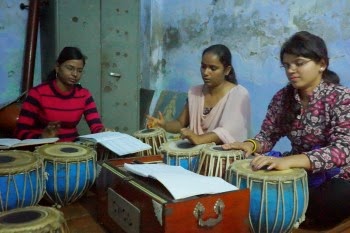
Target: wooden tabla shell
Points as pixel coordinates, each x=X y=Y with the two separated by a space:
x=22 y=180
x=278 y=199
x=153 y=137
x=71 y=170
x=38 y=219
x=215 y=161
x=181 y=153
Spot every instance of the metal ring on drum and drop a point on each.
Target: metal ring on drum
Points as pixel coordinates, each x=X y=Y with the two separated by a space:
x=153 y=137
x=278 y=199
x=22 y=181
x=215 y=161
x=181 y=153
x=71 y=170
x=33 y=219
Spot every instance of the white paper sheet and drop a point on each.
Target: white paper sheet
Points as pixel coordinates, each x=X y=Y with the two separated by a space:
x=119 y=143
x=181 y=183
x=6 y=143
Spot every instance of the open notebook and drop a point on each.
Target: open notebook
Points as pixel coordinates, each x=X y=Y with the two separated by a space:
x=7 y=143
x=181 y=183
x=119 y=143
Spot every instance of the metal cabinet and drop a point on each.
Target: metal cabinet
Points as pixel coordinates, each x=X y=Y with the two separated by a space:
x=108 y=33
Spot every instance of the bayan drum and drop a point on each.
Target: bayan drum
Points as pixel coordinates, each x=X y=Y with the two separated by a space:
x=181 y=153
x=71 y=170
x=38 y=219
x=22 y=180
x=153 y=137
x=278 y=199
x=215 y=161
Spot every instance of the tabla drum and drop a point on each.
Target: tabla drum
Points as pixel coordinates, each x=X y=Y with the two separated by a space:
x=22 y=181
x=215 y=161
x=38 y=219
x=71 y=170
x=278 y=199
x=153 y=137
x=181 y=153
x=102 y=153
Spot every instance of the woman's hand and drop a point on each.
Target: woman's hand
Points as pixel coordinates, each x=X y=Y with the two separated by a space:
x=245 y=146
x=190 y=135
x=107 y=130
x=51 y=129
x=269 y=162
x=153 y=122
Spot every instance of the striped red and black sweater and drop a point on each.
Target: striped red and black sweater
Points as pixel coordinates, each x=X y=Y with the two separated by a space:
x=46 y=103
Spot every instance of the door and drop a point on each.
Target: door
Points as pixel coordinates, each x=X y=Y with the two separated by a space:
x=120 y=64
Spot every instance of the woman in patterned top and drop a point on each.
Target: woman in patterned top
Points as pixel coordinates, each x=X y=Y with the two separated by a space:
x=54 y=108
x=216 y=111
x=313 y=111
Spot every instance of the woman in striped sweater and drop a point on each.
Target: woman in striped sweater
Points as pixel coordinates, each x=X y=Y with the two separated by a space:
x=54 y=108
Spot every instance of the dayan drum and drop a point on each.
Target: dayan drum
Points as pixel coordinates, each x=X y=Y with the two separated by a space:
x=215 y=161
x=38 y=219
x=71 y=170
x=22 y=180
x=278 y=199
x=181 y=153
x=153 y=137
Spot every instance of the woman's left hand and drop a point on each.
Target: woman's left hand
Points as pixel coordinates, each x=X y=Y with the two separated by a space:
x=270 y=162
x=107 y=130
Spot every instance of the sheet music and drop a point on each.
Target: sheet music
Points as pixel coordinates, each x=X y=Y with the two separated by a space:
x=181 y=183
x=6 y=143
x=119 y=143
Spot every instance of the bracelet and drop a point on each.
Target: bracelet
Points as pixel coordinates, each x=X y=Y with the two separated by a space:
x=254 y=144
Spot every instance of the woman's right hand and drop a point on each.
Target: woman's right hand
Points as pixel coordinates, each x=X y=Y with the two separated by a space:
x=153 y=122
x=245 y=146
x=51 y=129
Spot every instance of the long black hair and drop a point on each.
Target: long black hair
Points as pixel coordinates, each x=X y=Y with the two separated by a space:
x=67 y=53
x=225 y=58
x=308 y=45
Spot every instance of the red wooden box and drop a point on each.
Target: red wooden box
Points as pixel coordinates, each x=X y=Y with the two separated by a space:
x=130 y=203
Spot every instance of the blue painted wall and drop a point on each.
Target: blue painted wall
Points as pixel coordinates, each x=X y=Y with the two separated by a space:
x=254 y=31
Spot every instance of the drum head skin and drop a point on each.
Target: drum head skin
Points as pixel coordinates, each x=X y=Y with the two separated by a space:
x=149 y=132
x=243 y=167
x=180 y=147
x=65 y=152
x=32 y=219
x=16 y=161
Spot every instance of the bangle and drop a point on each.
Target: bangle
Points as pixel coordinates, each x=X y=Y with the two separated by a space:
x=254 y=144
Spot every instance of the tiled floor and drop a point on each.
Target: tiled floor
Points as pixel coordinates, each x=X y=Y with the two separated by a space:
x=81 y=215
x=81 y=218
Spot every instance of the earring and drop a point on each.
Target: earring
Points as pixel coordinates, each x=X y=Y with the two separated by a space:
x=56 y=75
x=321 y=69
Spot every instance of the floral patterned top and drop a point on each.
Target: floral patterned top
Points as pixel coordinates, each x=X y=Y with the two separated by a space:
x=321 y=131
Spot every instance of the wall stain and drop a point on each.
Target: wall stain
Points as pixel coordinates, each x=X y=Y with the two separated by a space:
x=171 y=37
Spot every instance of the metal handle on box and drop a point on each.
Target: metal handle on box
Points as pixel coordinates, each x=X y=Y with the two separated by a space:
x=199 y=210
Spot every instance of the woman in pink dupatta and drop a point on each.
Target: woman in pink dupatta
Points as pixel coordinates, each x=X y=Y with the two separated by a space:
x=217 y=111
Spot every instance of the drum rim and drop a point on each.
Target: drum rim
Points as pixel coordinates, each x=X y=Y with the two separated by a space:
x=90 y=155
x=157 y=131
x=51 y=218
x=164 y=148
x=285 y=175
x=34 y=162
x=209 y=148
